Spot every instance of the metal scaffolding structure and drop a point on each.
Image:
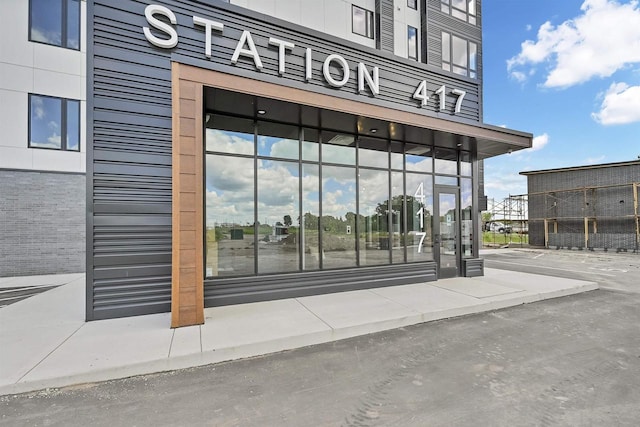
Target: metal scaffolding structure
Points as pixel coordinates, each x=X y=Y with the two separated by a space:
x=512 y=210
x=513 y=213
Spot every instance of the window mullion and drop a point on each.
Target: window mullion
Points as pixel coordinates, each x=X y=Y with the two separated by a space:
x=63 y=124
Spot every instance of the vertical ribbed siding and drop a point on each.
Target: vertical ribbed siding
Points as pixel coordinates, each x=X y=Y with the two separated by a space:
x=384 y=8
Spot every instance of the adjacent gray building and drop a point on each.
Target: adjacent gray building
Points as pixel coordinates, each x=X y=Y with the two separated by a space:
x=582 y=207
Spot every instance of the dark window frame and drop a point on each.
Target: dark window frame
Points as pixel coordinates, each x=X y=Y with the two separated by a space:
x=370 y=30
x=446 y=6
x=471 y=72
x=412 y=4
x=64 y=123
x=64 y=25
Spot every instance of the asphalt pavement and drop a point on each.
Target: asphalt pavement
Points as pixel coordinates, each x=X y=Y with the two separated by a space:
x=613 y=271
x=570 y=361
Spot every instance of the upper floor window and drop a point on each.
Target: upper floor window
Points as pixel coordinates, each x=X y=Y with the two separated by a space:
x=55 y=22
x=413 y=4
x=54 y=123
x=362 y=21
x=461 y=9
x=412 y=42
x=459 y=55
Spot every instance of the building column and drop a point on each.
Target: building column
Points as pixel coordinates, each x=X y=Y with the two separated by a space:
x=187 y=287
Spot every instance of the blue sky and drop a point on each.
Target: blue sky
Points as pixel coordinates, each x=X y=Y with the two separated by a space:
x=567 y=71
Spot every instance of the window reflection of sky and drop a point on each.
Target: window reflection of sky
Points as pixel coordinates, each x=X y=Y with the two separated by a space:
x=338 y=190
x=229 y=183
x=277 y=147
x=46 y=122
x=277 y=191
x=418 y=163
x=47 y=22
x=229 y=142
x=73 y=125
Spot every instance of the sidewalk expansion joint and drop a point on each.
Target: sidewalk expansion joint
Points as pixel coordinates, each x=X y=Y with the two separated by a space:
x=50 y=353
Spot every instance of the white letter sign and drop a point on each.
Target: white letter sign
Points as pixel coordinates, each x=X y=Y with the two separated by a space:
x=282 y=46
x=208 y=26
x=372 y=82
x=251 y=52
x=327 y=74
x=154 y=9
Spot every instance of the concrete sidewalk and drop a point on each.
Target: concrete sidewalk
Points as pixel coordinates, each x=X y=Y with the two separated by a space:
x=45 y=342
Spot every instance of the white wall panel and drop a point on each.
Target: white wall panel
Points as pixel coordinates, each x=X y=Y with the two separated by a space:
x=58 y=59
x=16 y=77
x=54 y=160
x=57 y=84
x=13 y=119
x=15 y=158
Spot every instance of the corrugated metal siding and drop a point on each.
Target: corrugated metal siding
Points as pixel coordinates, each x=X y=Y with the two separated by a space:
x=385 y=9
x=131 y=190
x=129 y=176
x=242 y=289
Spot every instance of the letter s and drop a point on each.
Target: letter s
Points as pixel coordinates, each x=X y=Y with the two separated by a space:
x=153 y=9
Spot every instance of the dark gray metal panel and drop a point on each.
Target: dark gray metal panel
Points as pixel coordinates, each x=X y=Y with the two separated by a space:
x=249 y=289
x=473 y=267
x=129 y=248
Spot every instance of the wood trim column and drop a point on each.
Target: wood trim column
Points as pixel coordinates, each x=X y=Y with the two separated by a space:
x=187 y=288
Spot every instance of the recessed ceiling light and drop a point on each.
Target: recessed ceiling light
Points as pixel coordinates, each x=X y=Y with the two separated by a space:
x=261 y=112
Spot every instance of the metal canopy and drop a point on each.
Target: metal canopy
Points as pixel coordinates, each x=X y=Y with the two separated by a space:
x=490 y=140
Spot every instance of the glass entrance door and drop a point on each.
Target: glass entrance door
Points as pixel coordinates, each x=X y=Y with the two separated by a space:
x=446 y=235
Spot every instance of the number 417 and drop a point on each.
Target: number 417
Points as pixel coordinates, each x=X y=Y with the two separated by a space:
x=421 y=95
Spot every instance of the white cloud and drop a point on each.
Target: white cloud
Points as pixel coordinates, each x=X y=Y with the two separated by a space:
x=621 y=105
x=500 y=185
x=539 y=142
x=529 y=27
x=597 y=43
x=594 y=160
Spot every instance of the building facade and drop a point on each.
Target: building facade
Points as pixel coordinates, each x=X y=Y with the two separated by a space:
x=42 y=147
x=252 y=150
x=585 y=207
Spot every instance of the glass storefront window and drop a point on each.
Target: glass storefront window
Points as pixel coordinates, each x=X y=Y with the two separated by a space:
x=279 y=201
x=278 y=237
x=419 y=201
x=374 y=217
x=310 y=146
x=229 y=210
x=373 y=152
x=338 y=148
x=338 y=222
x=310 y=228
x=397 y=218
x=466 y=204
x=446 y=161
x=418 y=158
x=278 y=140
x=397 y=159
x=226 y=134
x=465 y=163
